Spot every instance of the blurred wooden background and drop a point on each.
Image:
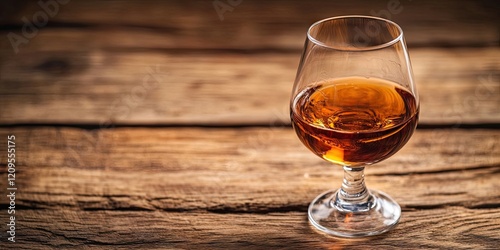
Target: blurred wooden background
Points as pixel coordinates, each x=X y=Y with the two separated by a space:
x=92 y=53
x=156 y=124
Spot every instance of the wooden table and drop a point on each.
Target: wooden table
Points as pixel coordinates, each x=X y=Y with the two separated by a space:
x=155 y=124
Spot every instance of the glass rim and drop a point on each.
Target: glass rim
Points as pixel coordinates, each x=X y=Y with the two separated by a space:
x=367 y=48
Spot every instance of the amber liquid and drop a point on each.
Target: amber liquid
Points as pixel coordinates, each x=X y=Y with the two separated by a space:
x=354 y=121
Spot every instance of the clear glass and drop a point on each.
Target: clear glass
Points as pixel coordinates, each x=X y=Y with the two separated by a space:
x=354 y=103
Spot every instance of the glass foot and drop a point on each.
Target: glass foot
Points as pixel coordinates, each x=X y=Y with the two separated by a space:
x=383 y=214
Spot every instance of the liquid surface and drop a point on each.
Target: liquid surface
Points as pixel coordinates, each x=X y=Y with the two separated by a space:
x=354 y=121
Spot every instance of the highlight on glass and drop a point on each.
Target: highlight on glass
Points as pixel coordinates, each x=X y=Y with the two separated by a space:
x=354 y=103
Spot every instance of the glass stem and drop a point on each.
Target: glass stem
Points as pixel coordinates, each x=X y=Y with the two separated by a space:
x=353 y=196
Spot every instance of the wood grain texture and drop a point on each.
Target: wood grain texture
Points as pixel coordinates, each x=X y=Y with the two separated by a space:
x=194 y=164
x=456 y=86
x=450 y=228
x=162 y=64
x=250 y=25
x=244 y=187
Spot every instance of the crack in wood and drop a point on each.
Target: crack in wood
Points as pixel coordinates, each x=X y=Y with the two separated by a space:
x=414 y=207
x=494 y=167
x=261 y=210
x=221 y=209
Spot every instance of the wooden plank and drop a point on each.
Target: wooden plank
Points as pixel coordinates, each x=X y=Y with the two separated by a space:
x=250 y=25
x=101 y=87
x=159 y=188
x=256 y=170
x=450 y=228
